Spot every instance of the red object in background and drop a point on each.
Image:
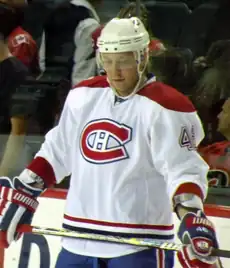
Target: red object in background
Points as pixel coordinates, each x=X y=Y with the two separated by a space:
x=156 y=45
x=95 y=36
x=217 y=157
x=22 y=46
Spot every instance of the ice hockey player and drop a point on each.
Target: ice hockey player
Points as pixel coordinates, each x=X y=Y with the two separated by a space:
x=129 y=143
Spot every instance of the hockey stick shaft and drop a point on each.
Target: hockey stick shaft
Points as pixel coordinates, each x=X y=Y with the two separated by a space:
x=112 y=239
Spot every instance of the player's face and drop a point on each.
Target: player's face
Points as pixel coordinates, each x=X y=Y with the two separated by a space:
x=224 y=118
x=121 y=69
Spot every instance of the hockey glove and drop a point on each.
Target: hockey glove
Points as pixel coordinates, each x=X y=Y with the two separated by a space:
x=17 y=206
x=198 y=233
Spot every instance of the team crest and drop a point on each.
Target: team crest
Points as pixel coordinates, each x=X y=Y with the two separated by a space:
x=103 y=141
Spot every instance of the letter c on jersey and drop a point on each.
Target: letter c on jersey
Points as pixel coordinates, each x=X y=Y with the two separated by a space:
x=103 y=141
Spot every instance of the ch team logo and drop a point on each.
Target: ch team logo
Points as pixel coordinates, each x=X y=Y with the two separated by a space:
x=103 y=141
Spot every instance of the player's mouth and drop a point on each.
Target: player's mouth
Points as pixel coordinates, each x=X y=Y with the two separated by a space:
x=118 y=80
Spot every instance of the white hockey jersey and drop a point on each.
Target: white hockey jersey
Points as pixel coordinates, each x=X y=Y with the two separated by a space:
x=126 y=159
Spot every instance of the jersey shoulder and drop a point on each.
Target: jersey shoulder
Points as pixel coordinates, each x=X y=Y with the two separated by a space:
x=168 y=97
x=94 y=82
x=88 y=91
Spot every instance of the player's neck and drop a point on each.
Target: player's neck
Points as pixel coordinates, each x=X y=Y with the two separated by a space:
x=128 y=92
x=4 y=51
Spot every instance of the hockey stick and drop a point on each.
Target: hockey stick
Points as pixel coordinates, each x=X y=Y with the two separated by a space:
x=115 y=239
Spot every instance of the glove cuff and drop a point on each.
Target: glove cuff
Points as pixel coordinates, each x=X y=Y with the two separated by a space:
x=25 y=188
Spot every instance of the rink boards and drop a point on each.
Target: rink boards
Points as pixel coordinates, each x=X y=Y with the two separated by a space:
x=33 y=251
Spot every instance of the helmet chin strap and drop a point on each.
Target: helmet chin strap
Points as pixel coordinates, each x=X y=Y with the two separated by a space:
x=139 y=58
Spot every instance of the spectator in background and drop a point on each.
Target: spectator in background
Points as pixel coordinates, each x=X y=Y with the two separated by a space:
x=22 y=3
x=217 y=155
x=22 y=45
x=15 y=2
x=174 y=67
x=213 y=92
x=67 y=39
x=212 y=74
x=218 y=29
x=12 y=74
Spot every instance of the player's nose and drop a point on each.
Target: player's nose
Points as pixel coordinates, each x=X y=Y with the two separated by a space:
x=115 y=71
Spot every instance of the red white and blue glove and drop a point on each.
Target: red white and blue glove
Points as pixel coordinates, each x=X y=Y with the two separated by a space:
x=199 y=235
x=17 y=206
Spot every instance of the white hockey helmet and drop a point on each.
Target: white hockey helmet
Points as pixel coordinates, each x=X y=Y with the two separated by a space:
x=123 y=35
